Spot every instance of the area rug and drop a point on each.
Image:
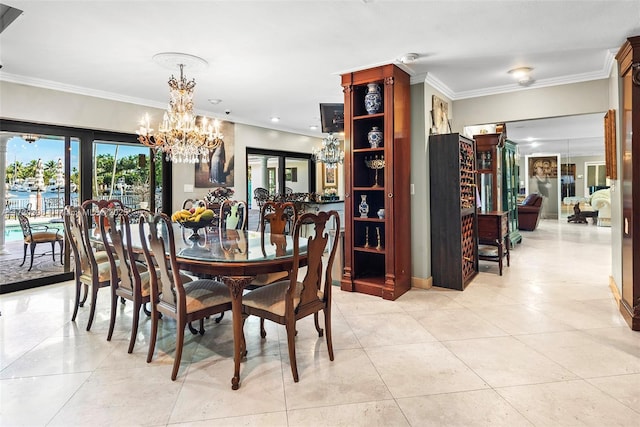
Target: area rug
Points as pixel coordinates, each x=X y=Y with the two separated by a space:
x=43 y=265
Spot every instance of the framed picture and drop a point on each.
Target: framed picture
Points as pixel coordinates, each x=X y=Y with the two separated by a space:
x=543 y=167
x=291 y=174
x=329 y=176
x=610 y=144
x=439 y=116
x=217 y=170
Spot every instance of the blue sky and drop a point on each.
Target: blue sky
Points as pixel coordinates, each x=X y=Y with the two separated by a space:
x=53 y=149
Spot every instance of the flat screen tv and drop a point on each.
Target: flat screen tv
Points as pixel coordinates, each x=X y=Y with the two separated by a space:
x=332 y=117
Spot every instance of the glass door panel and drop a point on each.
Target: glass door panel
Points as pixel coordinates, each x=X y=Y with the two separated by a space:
x=38 y=185
x=123 y=171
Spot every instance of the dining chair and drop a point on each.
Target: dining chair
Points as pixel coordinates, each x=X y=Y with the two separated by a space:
x=233 y=214
x=287 y=301
x=260 y=195
x=188 y=203
x=92 y=267
x=184 y=302
x=34 y=234
x=274 y=217
x=129 y=278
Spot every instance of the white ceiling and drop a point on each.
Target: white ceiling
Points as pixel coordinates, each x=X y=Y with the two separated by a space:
x=283 y=58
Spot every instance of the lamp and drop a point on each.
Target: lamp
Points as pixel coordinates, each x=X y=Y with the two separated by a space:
x=522 y=75
x=30 y=138
x=330 y=154
x=178 y=136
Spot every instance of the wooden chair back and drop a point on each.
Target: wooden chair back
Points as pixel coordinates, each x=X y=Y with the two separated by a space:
x=318 y=274
x=76 y=225
x=115 y=230
x=157 y=237
x=278 y=217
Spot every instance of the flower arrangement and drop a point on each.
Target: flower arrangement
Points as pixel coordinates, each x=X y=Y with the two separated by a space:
x=330 y=194
x=218 y=194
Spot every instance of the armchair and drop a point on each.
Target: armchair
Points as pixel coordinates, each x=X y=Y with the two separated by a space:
x=529 y=212
x=601 y=202
x=34 y=234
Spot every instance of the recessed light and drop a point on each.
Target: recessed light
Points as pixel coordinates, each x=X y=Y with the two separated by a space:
x=275 y=119
x=215 y=101
x=313 y=127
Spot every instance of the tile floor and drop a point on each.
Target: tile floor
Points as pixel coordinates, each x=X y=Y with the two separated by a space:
x=543 y=345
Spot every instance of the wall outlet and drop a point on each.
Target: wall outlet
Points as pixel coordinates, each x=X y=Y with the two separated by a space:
x=413 y=189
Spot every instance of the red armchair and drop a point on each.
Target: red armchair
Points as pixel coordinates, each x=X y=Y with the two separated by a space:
x=529 y=212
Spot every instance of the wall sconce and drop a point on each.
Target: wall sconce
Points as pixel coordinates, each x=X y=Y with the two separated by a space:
x=522 y=75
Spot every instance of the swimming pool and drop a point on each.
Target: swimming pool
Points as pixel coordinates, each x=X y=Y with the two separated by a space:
x=13 y=233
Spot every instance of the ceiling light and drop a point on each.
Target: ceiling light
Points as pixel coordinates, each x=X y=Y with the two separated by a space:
x=275 y=119
x=182 y=140
x=30 y=138
x=313 y=127
x=522 y=75
x=408 y=58
x=215 y=101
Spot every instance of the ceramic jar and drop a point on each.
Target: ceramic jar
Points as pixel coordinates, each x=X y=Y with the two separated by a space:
x=363 y=207
x=375 y=137
x=373 y=99
x=381 y=213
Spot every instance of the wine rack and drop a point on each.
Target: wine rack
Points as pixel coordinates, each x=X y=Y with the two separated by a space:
x=454 y=237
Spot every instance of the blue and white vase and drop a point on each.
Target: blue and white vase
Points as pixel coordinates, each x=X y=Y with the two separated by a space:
x=373 y=99
x=375 y=137
x=363 y=207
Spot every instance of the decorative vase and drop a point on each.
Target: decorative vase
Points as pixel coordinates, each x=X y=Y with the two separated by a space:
x=373 y=99
x=381 y=213
x=363 y=207
x=375 y=137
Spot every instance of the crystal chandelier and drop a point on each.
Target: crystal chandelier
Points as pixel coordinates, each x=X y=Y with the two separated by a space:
x=178 y=136
x=330 y=154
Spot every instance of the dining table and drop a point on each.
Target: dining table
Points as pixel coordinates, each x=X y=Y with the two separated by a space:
x=237 y=257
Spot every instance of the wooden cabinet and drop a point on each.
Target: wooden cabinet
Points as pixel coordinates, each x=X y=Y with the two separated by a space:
x=454 y=240
x=497 y=161
x=629 y=65
x=377 y=243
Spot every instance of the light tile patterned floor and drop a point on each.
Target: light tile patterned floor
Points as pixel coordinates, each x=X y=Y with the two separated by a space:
x=543 y=345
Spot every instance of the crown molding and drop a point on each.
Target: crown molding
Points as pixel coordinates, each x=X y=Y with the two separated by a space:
x=78 y=90
x=603 y=73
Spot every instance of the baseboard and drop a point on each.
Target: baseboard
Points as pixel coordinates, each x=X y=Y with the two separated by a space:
x=419 y=282
x=614 y=290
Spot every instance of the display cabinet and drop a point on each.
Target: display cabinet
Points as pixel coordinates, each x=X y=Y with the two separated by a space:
x=454 y=239
x=497 y=161
x=377 y=210
x=629 y=65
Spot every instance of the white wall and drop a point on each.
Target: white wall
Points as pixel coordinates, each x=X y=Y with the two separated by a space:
x=565 y=100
